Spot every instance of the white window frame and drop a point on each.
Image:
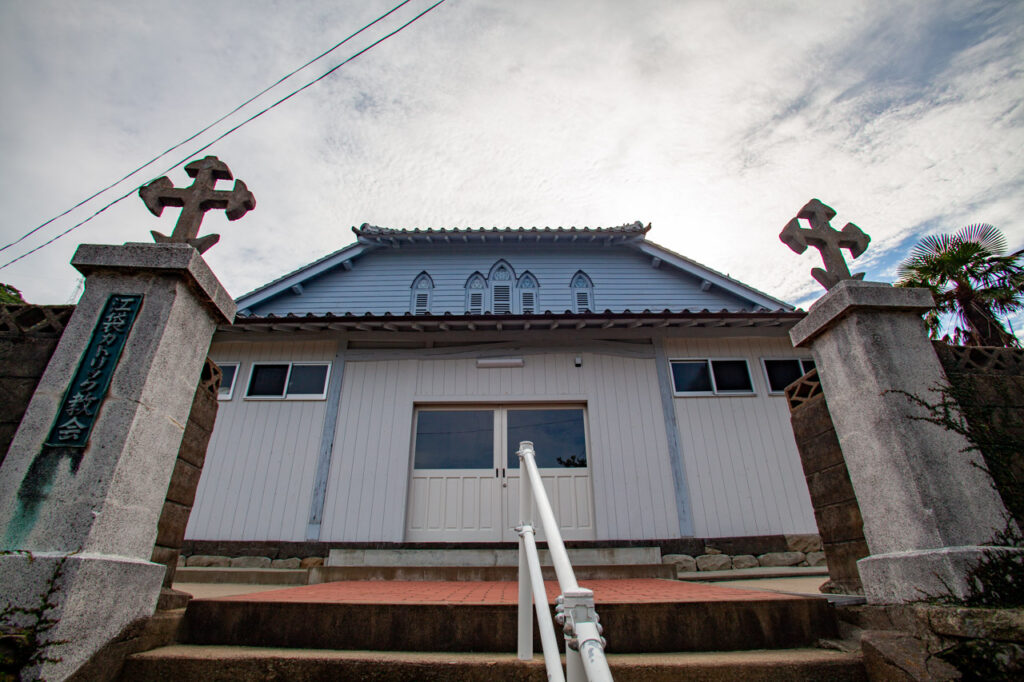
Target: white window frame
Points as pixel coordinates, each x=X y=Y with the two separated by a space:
x=764 y=369
x=714 y=392
x=500 y=410
x=234 y=381
x=288 y=375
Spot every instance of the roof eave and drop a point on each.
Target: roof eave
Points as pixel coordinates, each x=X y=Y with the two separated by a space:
x=300 y=275
x=505 y=322
x=716 y=278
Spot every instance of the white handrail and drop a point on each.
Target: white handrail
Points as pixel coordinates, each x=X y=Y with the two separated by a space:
x=584 y=646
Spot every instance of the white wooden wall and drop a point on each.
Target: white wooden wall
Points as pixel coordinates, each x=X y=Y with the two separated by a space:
x=742 y=468
x=367 y=489
x=742 y=465
x=258 y=475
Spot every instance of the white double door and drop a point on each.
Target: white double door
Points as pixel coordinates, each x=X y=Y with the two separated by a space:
x=464 y=484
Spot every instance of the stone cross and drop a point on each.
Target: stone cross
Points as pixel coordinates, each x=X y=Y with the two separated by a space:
x=827 y=240
x=196 y=200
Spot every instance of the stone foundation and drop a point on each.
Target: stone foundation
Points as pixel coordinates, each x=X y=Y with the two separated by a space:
x=790 y=550
x=938 y=642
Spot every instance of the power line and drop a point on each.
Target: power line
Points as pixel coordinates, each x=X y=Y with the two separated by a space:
x=223 y=135
x=192 y=137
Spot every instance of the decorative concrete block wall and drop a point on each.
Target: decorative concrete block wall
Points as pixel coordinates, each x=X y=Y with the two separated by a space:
x=832 y=497
x=989 y=385
x=182 y=491
x=28 y=337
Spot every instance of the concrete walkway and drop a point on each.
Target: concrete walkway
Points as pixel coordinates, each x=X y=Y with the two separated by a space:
x=810 y=585
x=778 y=580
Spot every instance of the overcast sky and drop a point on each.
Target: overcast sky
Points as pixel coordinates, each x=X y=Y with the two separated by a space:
x=713 y=121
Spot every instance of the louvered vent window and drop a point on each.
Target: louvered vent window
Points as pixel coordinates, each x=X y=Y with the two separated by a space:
x=502 y=298
x=527 y=287
x=475 y=290
x=582 y=293
x=421 y=288
x=501 y=288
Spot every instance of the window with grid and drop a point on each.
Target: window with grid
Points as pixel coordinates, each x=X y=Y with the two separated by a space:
x=781 y=372
x=706 y=376
x=227 y=381
x=288 y=381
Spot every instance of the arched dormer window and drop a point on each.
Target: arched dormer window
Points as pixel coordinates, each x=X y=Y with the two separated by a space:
x=502 y=281
x=422 y=286
x=476 y=290
x=528 y=294
x=582 y=290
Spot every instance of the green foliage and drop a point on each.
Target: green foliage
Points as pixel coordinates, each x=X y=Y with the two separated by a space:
x=987 y=431
x=998 y=579
x=25 y=639
x=10 y=295
x=971 y=280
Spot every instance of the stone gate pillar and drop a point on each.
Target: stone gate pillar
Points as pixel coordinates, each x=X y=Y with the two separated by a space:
x=927 y=506
x=84 y=481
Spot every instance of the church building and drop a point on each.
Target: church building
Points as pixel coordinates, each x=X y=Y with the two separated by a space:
x=379 y=394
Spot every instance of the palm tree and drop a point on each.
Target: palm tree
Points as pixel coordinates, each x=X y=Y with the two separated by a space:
x=8 y=294
x=970 y=279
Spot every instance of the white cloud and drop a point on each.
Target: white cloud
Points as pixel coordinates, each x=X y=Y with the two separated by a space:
x=713 y=121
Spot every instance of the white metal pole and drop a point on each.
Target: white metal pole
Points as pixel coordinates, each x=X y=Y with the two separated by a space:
x=591 y=653
x=552 y=661
x=525 y=648
x=574 y=671
x=559 y=557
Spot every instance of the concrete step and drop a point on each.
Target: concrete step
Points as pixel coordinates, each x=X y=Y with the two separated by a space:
x=327 y=574
x=639 y=616
x=580 y=556
x=230 y=663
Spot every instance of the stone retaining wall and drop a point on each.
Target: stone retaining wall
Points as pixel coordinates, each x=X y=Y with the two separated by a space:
x=788 y=550
x=732 y=546
x=802 y=550
x=931 y=642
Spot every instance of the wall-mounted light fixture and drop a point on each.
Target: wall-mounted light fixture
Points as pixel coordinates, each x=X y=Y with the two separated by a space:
x=578 y=361
x=492 y=363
